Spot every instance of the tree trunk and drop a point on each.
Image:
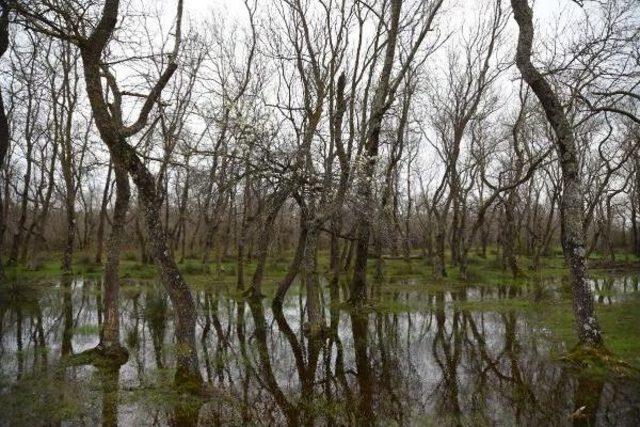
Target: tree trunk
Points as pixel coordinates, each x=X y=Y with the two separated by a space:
x=636 y=210
x=103 y=216
x=242 y=235
x=264 y=239
x=22 y=219
x=67 y=254
x=187 y=372
x=142 y=241
x=608 y=235
x=4 y=126
x=311 y=280
x=406 y=246
x=41 y=222
x=294 y=267
x=439 y=266
x=635 y=228
x=572 y=210
x=111 y=325
x=334 y=251
x=510 y=233
x=366 y=171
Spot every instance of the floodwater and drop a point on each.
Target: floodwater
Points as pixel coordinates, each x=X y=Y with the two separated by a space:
x=426 y=355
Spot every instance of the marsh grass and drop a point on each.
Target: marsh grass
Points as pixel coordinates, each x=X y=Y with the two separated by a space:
x=619 y=321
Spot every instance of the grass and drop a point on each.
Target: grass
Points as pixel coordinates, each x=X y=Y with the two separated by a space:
x=543 y=296
x=42 y=399
x=620 y=323
x=397 y=274
x=87 y=330
x=620 y=320
x=481 y=270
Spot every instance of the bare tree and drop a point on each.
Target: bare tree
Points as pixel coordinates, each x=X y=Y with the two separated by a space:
x=384 y=93
x=108 y=118
x=572 y=210
x=4 y=125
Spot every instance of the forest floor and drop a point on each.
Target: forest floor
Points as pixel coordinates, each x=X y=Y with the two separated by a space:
x=619 y=321
x=487 y=269
x=489 y=325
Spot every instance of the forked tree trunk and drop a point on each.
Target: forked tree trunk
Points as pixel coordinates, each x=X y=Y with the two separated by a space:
x=636 y=211
x=111 y=325
x=510 y=201
x=294 y=267
x=103 y=216
x=510 y=232
x=22 y=219
x=572 y=211
x=69 y=96
x=366 y=171
x=40 y=223
x=439 y=266
x=112 y=134
x=311 y=279
x=264 y=239
x=4 y=125
x=334 y=252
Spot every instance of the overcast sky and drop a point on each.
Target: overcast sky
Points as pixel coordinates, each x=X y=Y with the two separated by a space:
x=543 y=9
x=547 y=13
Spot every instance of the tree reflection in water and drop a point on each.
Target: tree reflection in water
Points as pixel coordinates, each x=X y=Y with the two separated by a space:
x=444 y=362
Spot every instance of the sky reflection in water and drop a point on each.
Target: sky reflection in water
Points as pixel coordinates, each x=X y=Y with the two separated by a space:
x=430 y=357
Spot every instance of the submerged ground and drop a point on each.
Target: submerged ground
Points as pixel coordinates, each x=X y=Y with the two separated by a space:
x=483 y=353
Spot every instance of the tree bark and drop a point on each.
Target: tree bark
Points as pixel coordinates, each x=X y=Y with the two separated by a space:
x=367 y=169
x=572 y=211
x=114 y=136
x=111 y=325
x=636 y=208
x=63 y=118
x=294 y=266
x=264 y=239
x=334 y=251
x=311 y=279
x=4 y=125
x=103 y=216
x=40 y=222
x=439 y=266
x=142 y=241
x=511 y=233
x=24 y=203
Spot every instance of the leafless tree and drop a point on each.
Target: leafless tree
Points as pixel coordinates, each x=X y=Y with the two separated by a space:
x=572 y=214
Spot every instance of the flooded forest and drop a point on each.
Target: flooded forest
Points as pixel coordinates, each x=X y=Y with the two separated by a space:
x=319 y=212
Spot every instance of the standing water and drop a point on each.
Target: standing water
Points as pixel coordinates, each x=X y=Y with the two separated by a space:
x=423 y=355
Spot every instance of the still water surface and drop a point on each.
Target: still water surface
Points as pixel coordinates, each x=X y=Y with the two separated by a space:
x=423 y=357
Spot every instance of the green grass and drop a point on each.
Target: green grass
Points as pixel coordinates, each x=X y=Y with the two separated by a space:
x=41 y=399
x=87 y=330
x=620 y=323
x=397 y=273
x=533 y=295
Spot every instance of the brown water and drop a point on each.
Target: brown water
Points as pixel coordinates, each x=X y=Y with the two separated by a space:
x=423 y=357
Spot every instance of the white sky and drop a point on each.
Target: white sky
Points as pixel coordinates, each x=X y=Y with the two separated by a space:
x=543 y=9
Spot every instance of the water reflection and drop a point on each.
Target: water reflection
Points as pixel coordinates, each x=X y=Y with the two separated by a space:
x=444 y=361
